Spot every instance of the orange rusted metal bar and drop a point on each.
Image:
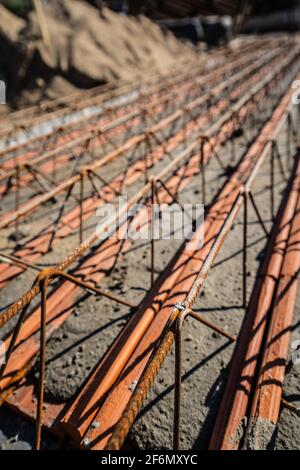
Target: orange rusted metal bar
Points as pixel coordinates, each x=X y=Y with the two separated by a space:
x=180 y=320
x=22 y=399
x=91 y=134
x=49 y=105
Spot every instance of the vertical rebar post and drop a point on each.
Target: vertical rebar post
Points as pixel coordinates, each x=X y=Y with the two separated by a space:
x=259 y=217
x=281 y=167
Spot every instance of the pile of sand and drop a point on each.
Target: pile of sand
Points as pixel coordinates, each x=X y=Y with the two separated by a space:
x=86 y=49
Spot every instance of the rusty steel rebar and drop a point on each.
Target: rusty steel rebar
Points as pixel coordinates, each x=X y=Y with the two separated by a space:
x=140 y=394
x=66 y=100
x=185 y=313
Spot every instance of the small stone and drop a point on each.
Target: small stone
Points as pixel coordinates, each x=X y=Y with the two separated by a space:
x=189 y=338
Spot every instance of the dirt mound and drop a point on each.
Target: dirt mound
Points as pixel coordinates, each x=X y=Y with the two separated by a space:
x=86 y=49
